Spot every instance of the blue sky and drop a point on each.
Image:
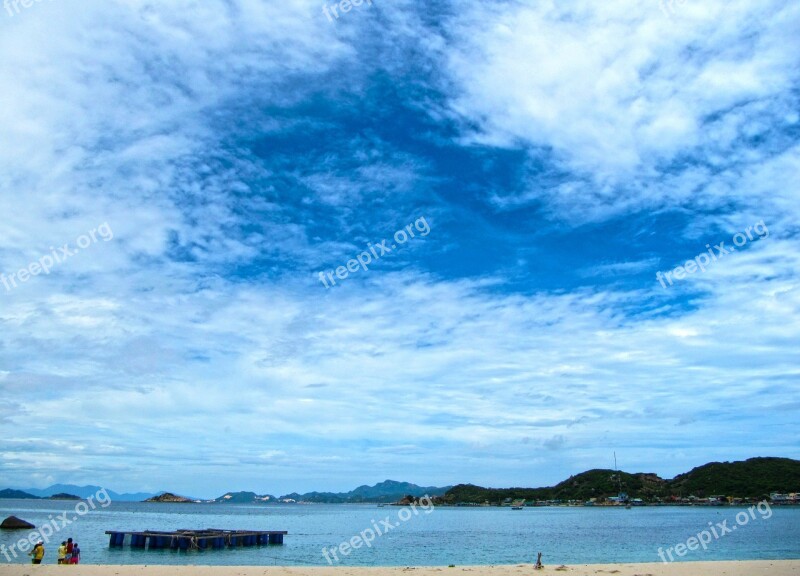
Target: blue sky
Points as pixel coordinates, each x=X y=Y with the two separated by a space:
x=226 y=152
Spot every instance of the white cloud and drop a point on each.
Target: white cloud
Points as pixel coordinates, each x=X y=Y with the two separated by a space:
x=464 y=365
x=615 y=92
x=201 y=313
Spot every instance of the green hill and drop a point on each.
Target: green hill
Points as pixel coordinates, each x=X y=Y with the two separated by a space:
x=597 y=483
x=753 y=478
x=756 y=477
x=602 y=483
x=478 y=495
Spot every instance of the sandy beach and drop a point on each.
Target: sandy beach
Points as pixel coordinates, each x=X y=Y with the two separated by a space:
x=742 y=568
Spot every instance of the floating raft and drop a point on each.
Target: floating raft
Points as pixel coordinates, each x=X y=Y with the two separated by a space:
x=195 y=539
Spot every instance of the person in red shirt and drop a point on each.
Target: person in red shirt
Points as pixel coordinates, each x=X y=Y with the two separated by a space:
x=70 y=547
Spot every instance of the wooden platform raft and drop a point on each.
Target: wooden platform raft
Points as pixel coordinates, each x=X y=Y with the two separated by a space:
x=195 y=539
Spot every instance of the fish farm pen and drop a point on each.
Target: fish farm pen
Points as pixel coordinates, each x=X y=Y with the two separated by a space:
x=195 y=539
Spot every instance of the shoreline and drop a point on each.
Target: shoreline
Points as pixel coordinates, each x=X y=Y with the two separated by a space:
x=716 y=568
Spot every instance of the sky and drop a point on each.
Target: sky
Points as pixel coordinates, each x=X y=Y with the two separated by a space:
x=272 y=246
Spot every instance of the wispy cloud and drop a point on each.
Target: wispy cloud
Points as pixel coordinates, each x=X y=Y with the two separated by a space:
x=564 y=154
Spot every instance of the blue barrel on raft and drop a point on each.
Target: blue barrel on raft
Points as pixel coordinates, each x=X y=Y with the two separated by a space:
x=116 y=539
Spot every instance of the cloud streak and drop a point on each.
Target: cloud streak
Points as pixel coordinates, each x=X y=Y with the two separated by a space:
x=563 y=154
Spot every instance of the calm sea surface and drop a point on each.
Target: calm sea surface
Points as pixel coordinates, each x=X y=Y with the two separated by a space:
x=445 y=536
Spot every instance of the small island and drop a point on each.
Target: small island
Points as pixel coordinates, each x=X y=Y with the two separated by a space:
x=64 y=496
x=169 y=497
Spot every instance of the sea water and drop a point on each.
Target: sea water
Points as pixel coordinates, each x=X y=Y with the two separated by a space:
x=445 y=535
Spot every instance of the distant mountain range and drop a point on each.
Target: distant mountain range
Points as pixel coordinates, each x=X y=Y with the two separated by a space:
x=66 y=490
x=20 y=495
x=384 y=492
x=16 y=494
x=753 y=478
x=387 y=491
